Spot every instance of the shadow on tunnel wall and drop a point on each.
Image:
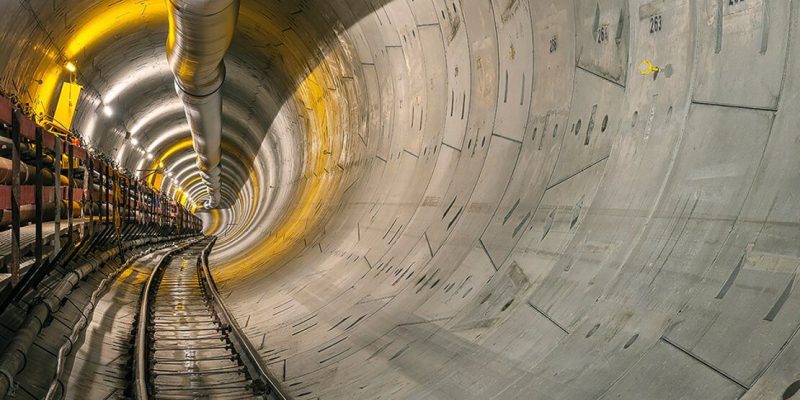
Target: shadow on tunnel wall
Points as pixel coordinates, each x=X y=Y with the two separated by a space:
x=282 y=45
x=313 y=25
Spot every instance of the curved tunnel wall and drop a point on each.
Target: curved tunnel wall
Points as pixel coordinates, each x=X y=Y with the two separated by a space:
x=488 y=199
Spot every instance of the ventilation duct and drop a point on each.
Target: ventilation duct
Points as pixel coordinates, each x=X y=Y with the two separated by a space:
x=200 y=32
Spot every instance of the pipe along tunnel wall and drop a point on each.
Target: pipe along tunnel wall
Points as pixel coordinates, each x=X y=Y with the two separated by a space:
x=477 y=199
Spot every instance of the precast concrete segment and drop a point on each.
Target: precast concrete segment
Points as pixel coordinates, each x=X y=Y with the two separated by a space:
x=542 y=220
x=457 y=199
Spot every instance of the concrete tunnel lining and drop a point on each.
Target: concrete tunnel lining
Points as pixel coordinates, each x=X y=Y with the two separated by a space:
x=481 y=199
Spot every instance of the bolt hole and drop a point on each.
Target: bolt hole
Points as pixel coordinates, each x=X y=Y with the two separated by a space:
x=534 y=133
x=605 y=124
x=555 y=130
x=577 y=127
x=631 y=340
x=634 y=119
x=791 y=390
x=592 y=331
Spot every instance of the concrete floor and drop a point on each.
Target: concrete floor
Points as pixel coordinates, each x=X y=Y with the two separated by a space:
x=438 y=199
x=98 y=368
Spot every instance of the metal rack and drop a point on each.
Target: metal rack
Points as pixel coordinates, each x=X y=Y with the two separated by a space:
x=49 y=181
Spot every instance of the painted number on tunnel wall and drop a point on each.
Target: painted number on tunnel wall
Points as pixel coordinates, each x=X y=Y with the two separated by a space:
x=655 y=23
x=734 y=2
x=553 y=44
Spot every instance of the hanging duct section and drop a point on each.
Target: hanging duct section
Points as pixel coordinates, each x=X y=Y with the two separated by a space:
x=200 y=32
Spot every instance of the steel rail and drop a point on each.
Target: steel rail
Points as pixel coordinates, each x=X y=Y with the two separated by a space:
x=247 y=352
x=141 y=342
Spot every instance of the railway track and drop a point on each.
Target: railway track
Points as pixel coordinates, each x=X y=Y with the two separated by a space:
x=187 y=346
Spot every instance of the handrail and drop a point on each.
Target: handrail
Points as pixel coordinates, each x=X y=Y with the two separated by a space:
x=246 y=350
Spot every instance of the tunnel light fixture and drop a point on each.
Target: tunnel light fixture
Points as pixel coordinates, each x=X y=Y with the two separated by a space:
x=108 y=111
x=149 y=156
x=134 y=141
x=70 y=66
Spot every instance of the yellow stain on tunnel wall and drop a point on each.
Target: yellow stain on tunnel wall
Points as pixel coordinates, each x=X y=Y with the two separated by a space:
x=324 y=114
x=185 y=144
x=158 y=180
x=192 y=181
x=121 y=15
x=236 y=153
x=188 y=185
x=215 y=222
x=323 y=122
x=162 y=158
x=181 y=197
x=102 y=23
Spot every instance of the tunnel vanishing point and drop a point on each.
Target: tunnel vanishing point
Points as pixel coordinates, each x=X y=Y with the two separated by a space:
x=400 y=199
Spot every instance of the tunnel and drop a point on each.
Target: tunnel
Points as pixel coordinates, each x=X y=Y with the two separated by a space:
x=452 y=199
